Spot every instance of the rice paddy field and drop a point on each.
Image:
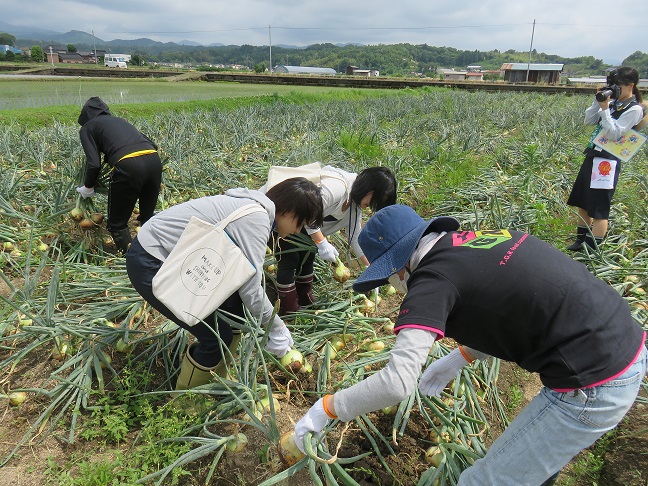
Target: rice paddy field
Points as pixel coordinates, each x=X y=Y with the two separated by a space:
x=97 y=364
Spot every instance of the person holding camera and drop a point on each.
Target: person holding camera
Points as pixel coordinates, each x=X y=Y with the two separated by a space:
x=616 y=109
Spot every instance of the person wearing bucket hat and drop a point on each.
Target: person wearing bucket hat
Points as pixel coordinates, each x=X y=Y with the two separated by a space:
x=506 y=294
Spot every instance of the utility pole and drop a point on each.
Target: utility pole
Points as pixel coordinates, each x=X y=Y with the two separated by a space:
x=270 y=41
x=94 y=40
x=530 y=49
x=51 y=56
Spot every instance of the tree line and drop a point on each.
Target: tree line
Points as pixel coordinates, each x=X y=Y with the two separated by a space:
x=389 y=59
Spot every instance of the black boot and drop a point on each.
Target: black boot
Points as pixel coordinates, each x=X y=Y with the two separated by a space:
x=304 y=284
x=581 y=232
x=122 y=239
x=593 y=242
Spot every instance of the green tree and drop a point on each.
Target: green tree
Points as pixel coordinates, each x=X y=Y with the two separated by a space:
x=10 y=56
x=7 y=39
x=71 y=48
x=37 y=54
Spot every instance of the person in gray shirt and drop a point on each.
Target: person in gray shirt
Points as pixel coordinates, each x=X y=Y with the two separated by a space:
x=287 y=207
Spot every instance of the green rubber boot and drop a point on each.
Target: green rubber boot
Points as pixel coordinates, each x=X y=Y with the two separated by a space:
x=192 y=374
x=222 y=369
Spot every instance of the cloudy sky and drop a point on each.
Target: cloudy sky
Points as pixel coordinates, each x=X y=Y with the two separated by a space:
x=567 y=28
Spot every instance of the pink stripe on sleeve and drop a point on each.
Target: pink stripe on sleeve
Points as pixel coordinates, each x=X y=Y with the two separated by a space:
x=438 y=332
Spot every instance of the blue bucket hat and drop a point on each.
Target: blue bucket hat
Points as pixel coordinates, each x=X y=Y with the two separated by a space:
x=388 y=240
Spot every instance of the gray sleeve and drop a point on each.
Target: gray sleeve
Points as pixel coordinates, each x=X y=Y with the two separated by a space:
x=394 y=383
x=251 y=234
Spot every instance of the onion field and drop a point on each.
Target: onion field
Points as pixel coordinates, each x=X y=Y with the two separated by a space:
x=86 y=366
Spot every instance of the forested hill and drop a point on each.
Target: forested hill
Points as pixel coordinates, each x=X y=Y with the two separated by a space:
x=389 y=59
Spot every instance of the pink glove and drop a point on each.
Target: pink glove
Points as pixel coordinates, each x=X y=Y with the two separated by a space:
x=440 y=372
x=314 y=421
x=327 y=251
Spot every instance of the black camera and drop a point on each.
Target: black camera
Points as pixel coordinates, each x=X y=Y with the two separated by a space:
x=611 y=90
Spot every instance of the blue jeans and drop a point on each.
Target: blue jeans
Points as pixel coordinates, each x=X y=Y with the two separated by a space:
x=553 y=428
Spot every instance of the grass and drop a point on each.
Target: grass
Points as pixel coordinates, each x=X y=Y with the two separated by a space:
x=39 y=102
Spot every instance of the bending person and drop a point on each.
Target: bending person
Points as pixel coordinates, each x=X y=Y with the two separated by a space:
x=287 y=207
x=510 y=295
x=136 y=168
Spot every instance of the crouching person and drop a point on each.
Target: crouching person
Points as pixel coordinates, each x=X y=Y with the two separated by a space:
x=286 y=208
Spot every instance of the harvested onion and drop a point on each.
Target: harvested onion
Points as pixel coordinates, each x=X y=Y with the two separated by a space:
x=292 y=361
x=289 y=453
x=17 y=398
x=342 y=273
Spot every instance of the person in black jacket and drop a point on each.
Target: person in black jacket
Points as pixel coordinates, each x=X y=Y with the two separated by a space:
x=136 y=168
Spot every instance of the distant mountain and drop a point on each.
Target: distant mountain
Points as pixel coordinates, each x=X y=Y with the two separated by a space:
x=189 y=43
x=17 y=31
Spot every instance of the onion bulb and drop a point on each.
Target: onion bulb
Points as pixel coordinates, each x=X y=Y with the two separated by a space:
x=76 y=214
x=390 y=289
x=434 y=456
x=17 y=398
x=293 y=360
x=289 y=453
x=263 y=405
x=342 y=273
x=97 y=218
x=86 y=224
x=123 y=347
x=8 y=246
x=376 y=346
x=237 y=443
x=337 y=342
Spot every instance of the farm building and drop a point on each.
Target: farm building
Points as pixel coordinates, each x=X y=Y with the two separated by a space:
x=516 y=72
x=6 y=48
x=356 y=71
x=71 y=58
x=451 y=74
x=304 y=70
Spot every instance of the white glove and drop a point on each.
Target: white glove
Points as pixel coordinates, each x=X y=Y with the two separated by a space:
x=440 y=372
x=327 y=251
x=85 y=191
x=279 y=341
x=314 y=421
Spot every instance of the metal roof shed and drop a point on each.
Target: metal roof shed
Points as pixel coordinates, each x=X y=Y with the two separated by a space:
x=304 y=70
x=516 y=72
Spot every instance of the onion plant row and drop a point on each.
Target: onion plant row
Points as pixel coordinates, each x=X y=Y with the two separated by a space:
x=494 y=160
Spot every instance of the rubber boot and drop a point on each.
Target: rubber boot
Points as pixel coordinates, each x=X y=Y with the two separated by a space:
x=122 y=239
x=593 y=242
x=222 y=369
x=288 y=299
x=191 y=374
x=304 y=284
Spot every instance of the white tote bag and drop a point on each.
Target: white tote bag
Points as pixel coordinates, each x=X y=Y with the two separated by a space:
x=279 y=173
x=204 y=268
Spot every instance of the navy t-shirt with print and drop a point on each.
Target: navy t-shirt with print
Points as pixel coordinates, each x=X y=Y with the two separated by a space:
x=513 y=296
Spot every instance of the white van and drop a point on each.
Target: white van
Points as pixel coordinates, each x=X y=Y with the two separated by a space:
x=112 y=61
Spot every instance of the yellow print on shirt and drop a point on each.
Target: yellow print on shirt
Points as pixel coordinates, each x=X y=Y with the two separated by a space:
x=480 y=239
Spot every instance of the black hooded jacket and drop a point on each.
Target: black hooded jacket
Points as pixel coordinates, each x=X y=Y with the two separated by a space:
x=103 y=133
